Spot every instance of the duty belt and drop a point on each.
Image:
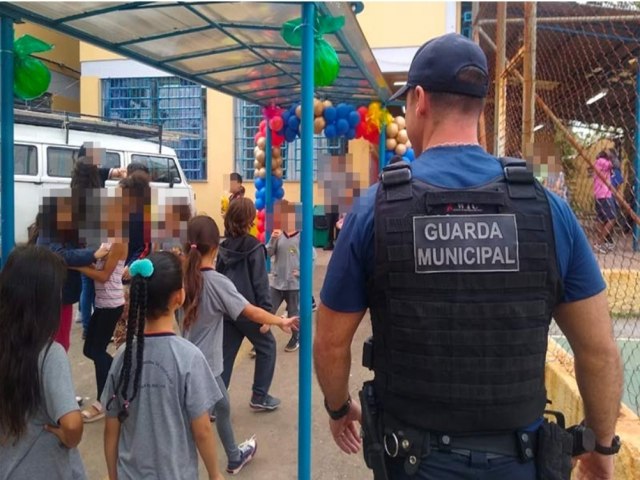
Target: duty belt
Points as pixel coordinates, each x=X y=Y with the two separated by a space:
x=520 y=444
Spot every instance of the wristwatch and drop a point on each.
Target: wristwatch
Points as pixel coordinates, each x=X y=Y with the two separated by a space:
x=341 y=412
x=612 y=450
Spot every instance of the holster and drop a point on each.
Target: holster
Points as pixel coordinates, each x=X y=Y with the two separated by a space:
x=373 y=448
x=555 y=446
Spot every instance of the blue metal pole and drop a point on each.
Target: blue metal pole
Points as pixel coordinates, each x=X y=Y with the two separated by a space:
x=382 y=148
x=306 y=247
x=7 y=208
x=636 y=202
x=268 y=194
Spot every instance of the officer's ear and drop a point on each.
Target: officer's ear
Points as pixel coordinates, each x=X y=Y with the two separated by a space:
x=421 y=102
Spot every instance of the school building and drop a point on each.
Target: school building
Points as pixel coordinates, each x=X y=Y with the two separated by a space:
x=93 y=81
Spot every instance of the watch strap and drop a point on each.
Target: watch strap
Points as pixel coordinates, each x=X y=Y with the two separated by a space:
x=611 y=450
x=341 y=412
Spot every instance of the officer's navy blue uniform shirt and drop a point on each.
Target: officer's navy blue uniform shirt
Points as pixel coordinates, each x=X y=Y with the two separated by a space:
x=344 y=288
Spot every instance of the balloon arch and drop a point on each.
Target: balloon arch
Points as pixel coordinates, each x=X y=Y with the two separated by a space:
x=342 y=120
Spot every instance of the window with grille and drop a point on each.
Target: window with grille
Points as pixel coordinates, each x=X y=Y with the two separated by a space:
x=177 y=104
x=247 y=124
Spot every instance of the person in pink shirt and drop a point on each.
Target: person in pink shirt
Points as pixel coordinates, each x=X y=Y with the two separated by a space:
x=606 y=207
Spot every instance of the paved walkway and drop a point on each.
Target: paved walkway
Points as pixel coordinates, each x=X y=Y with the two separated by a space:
x=277 y=432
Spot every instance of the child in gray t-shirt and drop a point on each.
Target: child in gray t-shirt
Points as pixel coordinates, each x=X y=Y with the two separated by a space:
x=209 y=296
x=160 y=388
x=40 y=423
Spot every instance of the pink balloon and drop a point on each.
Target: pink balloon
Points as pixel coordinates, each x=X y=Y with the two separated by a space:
x=261 y=214
x=261 y=237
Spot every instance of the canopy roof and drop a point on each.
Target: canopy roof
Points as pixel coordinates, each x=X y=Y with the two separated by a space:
x=232 y=47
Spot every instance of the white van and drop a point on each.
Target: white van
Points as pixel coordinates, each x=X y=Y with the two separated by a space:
x=44 y=159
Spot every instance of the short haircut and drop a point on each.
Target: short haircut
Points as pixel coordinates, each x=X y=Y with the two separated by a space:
x=235 y=177
x=443 y=103
x=137 y=167
x=239 y=217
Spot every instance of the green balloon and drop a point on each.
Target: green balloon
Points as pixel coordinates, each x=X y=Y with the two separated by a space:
x=327 y=63
x=31 y=77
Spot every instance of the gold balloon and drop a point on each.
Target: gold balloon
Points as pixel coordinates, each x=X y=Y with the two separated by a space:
x=392 y=130
x=327 y=104
x=401 y=149
x=277 y=173
x=260 y=157
x=391 y=144
x=400 y=122
x=299 y=111
x=408 y=144
x=256 y=173
x=402 y=136
x=276 y=163
x=318 y=107
x=318 y=125
x=276 y=151
x=262 y=143
x=256 y=151
x=257 y=165
x=262 y=172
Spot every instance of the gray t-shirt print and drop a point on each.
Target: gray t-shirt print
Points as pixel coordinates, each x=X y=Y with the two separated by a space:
x=176 y=387
x=219 y=297
x=39 y=454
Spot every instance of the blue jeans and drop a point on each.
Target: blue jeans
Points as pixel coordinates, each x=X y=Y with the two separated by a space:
x=86 y=301
x=452 y=466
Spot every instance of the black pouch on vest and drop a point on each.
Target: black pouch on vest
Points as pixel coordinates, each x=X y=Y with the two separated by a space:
x=553 y=457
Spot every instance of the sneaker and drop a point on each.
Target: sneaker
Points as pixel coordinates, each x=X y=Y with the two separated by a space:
x=599 y=248
x=266 y=403
x=293 y=345
x=248 y=450
x=252 y=352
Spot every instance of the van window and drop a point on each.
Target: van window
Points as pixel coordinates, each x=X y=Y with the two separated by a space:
x=25 y=158
x=60 y=161
x=162 y=169
x=112 y=160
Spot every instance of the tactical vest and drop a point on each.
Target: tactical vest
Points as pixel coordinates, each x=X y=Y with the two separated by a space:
x=461 y=299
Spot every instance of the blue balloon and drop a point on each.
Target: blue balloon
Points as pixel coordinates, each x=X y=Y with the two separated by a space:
x=260 y=193
x=290 y=135
x=351 y=134
x=342 y=126
x=388 y=155
x=279 y=193
x=293 y=123
x=343 y=110
x=406 y=159
x=330 y=114
x=259 y=203
x=285 y=116
x=330 y=131
x=354 y=119
x=410 y=154
x=259 y=183
x=276 y=182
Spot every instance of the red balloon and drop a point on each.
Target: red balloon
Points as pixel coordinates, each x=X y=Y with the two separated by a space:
x=276 y=123
x=261 y=237
x=277 y=140
x=260 y=225
x=261 y=214
x=363 y=112
x=263 y=125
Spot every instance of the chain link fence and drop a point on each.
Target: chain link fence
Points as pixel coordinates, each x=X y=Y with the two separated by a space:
x=579 y=131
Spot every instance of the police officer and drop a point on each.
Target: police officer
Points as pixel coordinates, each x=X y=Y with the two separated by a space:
x=462 y=260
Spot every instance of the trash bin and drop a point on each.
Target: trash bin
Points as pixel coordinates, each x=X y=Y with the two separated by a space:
x=320 y=227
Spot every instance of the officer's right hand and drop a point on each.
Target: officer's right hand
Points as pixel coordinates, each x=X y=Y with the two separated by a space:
x=593 y=466
x=345 y=432
x=276 y=233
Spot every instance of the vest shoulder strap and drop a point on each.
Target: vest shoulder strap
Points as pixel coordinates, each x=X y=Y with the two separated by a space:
x=396 y=181
x=520 y=180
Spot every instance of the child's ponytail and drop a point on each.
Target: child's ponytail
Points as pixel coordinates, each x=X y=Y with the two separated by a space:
x=203 y=236
x=192 y=284
x=140 y=271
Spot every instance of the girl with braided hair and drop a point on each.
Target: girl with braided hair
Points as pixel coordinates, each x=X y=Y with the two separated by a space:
x=209 y=297
x=160 y=389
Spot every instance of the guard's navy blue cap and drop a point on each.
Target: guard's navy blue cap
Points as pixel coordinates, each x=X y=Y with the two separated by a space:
x=437 y=63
